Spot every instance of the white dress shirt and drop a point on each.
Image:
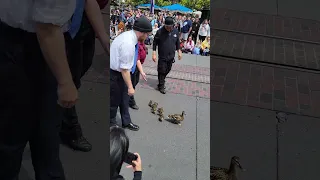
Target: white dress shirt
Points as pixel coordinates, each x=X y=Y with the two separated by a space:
x=122 y=51
x=24 y=14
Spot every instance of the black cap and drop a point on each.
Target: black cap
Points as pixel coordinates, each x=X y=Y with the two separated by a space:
x=169 y=21
x=142 y=24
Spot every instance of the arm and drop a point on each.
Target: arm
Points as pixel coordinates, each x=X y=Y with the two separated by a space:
x=178 y=48
x=94 y=15
x=48 y=29
x=127 y=52
x=156 y=41
x=139 y=65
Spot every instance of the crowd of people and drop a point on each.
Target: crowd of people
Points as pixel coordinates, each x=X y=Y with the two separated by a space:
x=194 y=36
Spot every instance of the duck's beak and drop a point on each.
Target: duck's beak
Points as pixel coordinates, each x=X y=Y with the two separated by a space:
x=241 y=167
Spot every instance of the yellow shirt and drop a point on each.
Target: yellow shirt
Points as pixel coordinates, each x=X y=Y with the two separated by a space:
x=205 y=44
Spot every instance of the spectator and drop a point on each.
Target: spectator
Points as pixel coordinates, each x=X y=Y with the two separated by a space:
x=204 y=30
x=205 y=47
x=188 y=45
x=195 y=29
x=119 y=146
x=151 y=36
x=186 y=28
x=196 y=49
x=113 y=33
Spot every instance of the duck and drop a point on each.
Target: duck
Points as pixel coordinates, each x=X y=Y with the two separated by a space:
x=155 y=104
x=160 y=111
x=153 y=109
x=217 y=173
x=150 y=103
x=161 y=118
x=176 y=118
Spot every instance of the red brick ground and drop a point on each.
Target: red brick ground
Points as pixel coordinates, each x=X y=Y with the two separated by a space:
x=287 y=27
x=265 y=87
x=183 y=79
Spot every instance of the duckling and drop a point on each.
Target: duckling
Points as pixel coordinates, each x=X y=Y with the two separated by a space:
x=155 y=104
x=160 y=111
x=161 y=118
x=150 y=103
x=153 y=109
x=217 y=173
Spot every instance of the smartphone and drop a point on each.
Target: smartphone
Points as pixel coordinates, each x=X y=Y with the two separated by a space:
x=129 y=158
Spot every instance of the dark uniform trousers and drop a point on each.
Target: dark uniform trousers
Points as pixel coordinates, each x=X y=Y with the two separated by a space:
x=80 y=52
x=164 y=67
x=135 y=77
x=118 y=98
x=28 y=107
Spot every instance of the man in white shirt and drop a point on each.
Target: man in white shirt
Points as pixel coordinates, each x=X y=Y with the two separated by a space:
x=123 y=57
x=35 y=79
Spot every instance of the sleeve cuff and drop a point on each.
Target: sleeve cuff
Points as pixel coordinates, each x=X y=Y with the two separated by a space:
x=137 y=175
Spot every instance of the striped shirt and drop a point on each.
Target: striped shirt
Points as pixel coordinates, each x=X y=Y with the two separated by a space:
x=24 y=14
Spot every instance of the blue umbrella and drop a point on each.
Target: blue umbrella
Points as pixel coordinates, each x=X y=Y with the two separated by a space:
x=178 y=7
x=148 y=6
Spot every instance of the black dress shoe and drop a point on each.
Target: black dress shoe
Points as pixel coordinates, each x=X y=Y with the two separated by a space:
x=132 y=127
x=80 y=144
x=163 y=91
x=134 y=107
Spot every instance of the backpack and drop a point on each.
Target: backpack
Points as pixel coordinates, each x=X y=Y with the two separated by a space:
x=102 y=3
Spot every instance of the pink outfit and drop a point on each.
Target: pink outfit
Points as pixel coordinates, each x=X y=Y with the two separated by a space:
x=189 y=45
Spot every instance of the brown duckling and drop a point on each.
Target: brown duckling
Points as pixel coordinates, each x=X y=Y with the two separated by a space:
x=160 y=111
x=161 y=118
x=217 y=173
x=150 y=103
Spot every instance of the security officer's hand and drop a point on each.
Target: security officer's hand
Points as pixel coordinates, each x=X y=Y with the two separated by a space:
x=154 y=57
x=131 y=91
x=180 y=55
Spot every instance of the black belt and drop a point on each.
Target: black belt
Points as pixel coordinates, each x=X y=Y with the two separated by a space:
x=116 y=73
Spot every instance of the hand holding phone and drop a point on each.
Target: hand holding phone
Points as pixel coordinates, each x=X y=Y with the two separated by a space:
x=135 y=164
x=129 y=158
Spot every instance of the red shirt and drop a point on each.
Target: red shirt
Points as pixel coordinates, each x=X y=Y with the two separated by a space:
x=142 y=52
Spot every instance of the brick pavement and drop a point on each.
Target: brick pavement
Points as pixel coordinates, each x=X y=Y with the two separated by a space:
x=300 y=29
x=264 y=49
x=183 y=79
x=177 y=86
x=265 y=87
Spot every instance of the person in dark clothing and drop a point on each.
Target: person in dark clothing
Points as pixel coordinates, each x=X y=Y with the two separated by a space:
x=119 y=145
x=135 y=77
x=167 y=41
x=80 y=52
x=35 y=83
x=195 y=29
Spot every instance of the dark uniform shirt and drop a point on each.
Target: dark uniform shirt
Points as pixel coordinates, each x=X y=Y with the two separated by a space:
x=167 y=42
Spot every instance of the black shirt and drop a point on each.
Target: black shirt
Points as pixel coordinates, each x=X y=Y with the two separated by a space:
x=167 y=42
x=195 y=27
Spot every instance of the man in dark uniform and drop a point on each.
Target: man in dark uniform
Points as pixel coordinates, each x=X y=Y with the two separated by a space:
x=80 y=47
x=167 y=40
x=123 y=59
